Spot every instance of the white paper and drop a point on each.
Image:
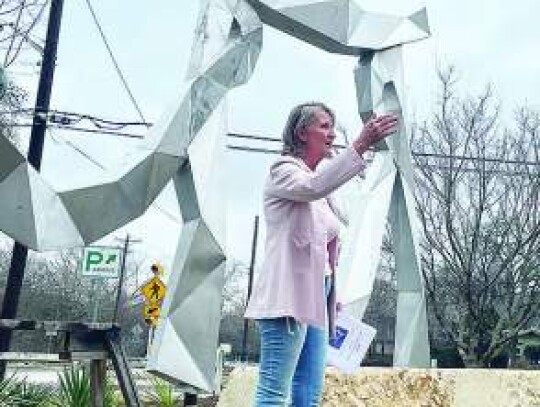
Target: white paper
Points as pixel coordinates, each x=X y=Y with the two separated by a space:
x=350 y=344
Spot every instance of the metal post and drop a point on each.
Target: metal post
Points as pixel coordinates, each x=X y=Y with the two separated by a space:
x=121 y=368
x=35 y=152
x=250 y=284
x=121 y=279
x=190 y=399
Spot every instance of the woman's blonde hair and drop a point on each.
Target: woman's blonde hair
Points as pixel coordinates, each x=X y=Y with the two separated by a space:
x=301 y=117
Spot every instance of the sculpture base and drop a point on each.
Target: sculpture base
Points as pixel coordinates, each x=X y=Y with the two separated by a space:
x=387 y=387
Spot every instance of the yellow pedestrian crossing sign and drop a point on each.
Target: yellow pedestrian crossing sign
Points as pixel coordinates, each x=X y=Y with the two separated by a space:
x=154 y=290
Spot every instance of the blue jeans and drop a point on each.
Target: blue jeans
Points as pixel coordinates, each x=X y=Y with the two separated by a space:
x=292 y=362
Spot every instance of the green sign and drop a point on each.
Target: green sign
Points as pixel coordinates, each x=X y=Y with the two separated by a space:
x=103 y=262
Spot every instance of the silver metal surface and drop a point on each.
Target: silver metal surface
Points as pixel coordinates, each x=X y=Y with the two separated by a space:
x=342 y=26
x=44 y=219
x=345 y=27
x=388 y=194
x=186 y=145
x=184 y=348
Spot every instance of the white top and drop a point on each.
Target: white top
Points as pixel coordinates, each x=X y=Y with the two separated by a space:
x=325 y=215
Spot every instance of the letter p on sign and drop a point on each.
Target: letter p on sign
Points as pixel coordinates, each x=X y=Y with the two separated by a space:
x=93 y=258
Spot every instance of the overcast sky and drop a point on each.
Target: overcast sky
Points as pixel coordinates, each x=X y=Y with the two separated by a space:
x=488 y=40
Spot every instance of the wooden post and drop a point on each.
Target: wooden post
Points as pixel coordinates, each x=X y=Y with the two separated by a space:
x=98 y=376
x=250 y=284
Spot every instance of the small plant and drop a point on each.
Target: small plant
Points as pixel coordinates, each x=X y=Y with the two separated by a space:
x=74 y=388
x=111 y=397
x=161 y=393
x=31 y=395
x=14 y=392
x=6 y=390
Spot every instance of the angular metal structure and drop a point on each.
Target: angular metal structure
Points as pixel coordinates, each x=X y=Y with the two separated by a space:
x=228 y=41
x=344 y=27
x=388 y=192
x=185 y=146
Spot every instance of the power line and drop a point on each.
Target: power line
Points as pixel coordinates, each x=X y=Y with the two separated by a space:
x=67 y=118
x=64 y=120
x=76 y=148
x=425 y=165
x=21 y=28
x=100 y=131
x=338 y=146
x=253 y=149
x=15 y=29
x=25 y=37
x=58 y=124
x=102 y=167
x=83 y=130
x=118 y=70
x=468 y=158
x=266 y=138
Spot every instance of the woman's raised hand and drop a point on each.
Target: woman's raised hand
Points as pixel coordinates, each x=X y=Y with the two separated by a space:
x=376 y=128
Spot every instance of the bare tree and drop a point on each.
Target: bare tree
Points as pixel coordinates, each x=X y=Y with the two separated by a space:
x=20 y=19
x=12 y=98
x=235 y=289
x=54 y=289
x=19 y=26
x=478 y=187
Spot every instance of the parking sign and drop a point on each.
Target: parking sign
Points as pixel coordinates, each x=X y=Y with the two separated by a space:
x=101 y=262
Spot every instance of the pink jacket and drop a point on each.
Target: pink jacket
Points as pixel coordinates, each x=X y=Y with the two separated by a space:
x=290 y=281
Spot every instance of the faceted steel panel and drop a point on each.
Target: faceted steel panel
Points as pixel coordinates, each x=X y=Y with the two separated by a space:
x=226 y=46
x=320 y=24
x=96 y=210
x=360 y=254
x=379 y=81
x=11 y=158
x=190 y=325
x=17 y=214
x=186 y=338
x=341 y=26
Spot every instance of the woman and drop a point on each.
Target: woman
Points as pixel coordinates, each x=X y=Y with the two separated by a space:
x=294 y=297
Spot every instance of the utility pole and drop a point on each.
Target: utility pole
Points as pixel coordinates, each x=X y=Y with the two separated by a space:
x=121 y=279
x=250 y=284
x=35 y=152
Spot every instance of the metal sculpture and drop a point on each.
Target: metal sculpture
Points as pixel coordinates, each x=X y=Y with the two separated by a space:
x=342 y=26
x=185 y=146
x=34 y=214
